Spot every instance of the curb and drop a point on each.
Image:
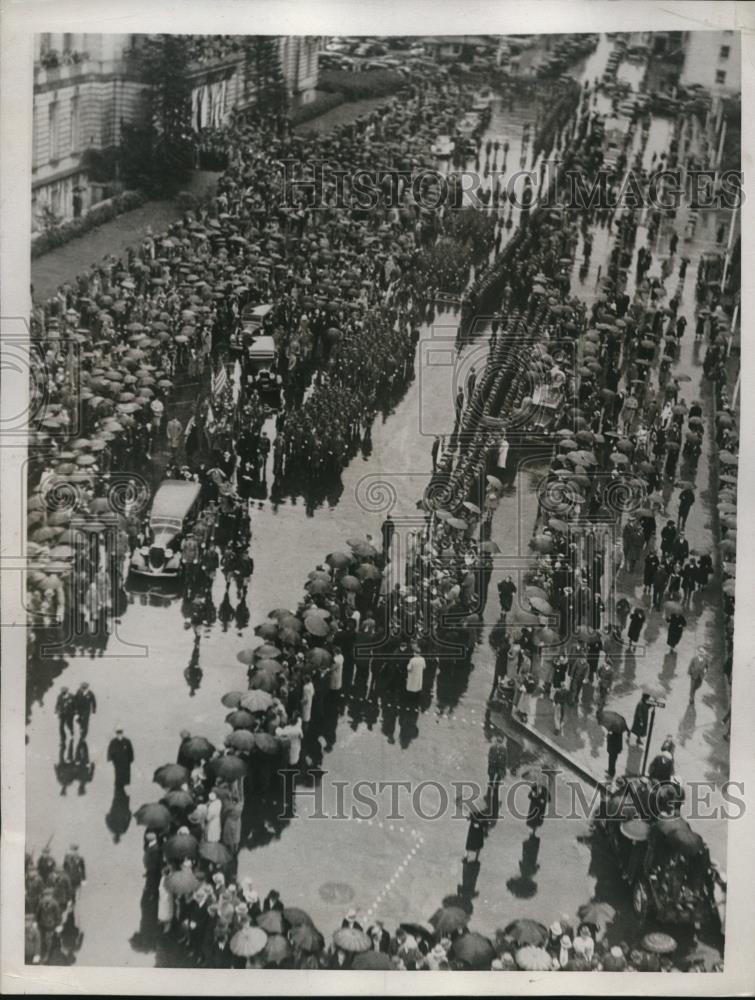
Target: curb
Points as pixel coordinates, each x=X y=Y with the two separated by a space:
x=557 y=751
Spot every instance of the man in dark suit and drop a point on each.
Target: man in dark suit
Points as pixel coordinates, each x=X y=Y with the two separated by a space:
x=381 y=939
x=86 y=705
x=120 y=753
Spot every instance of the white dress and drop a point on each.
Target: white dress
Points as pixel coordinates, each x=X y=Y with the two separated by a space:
x=164 y=903
x=213 y=827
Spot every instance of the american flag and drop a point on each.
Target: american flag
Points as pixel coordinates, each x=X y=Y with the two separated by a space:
x=219 y=380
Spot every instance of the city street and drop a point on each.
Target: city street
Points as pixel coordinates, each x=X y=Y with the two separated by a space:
x=151 y=678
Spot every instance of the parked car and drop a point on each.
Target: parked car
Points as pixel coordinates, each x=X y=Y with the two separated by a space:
x=174 y=510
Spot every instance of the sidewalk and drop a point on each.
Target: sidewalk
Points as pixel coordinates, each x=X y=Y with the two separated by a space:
x=64 y=264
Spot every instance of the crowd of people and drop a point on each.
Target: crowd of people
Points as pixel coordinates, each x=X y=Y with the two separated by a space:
x=52 y=936
x=350 y=291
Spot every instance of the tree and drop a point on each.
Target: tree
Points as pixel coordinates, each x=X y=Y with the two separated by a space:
x=262 y=67
x=160 y=151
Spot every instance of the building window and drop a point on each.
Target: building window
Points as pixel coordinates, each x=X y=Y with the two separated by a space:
x=53 y=131
x=720 y=76
x=724 y=53
x=68 y=43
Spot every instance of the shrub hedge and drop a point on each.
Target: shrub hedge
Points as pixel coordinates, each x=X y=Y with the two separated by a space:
x=362 y=83
x=96 y=216
x=321 y=104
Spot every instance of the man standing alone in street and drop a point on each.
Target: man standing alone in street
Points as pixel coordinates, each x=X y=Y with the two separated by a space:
x=120 y=753
x=698 y=668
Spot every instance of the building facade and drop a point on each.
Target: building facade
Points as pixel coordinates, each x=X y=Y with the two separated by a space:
x=713 y=59
x=86 y=87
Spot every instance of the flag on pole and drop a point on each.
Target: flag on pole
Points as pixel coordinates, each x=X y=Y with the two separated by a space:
x=219 y=380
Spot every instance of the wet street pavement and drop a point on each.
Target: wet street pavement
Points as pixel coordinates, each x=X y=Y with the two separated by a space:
x=149 y=680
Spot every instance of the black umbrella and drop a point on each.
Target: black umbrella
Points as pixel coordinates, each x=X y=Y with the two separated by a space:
x=613 y=722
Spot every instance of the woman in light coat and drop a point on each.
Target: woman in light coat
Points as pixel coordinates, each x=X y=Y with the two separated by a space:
x=165 y=909
x=213 y=828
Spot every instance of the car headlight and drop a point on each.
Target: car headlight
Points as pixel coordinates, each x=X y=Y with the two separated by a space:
x=144 y=550
x=169 y=553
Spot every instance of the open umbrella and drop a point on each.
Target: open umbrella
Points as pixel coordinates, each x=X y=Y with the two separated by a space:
x=171 y=776
x=153 y=815
x=339 y=560
x=182 y=883
x=306 y=938
x=727 y=458
x=449 y=919
x=240 y=718
x=494 y=482
x=277 y=949
x=352 y=940
x=263 y=680
x=232 y=699
x=267 y=630
x=612 y=721
x=600 y=914
x=272 y=922
x=267 y=651
x=215 y=852
x=318 y=657
x=659 y=943
x=533 y=959
x=296 y=917
x=368 y=571
x=316 y=626
x=547 y=637
x=372 y=961
x=673 y=608
x=542 y=543
x=266 y=743
x=474 y=949
x=179 y=799
x=280 y=613
x=248 y=941
x=228 y=767
x=256 y=701
x=490 y=547
x=240 y=739
x=526 y=932
x=180 y=846
x=197 y=748
x=364 y=549
x=541 y=606
x=351 y=584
